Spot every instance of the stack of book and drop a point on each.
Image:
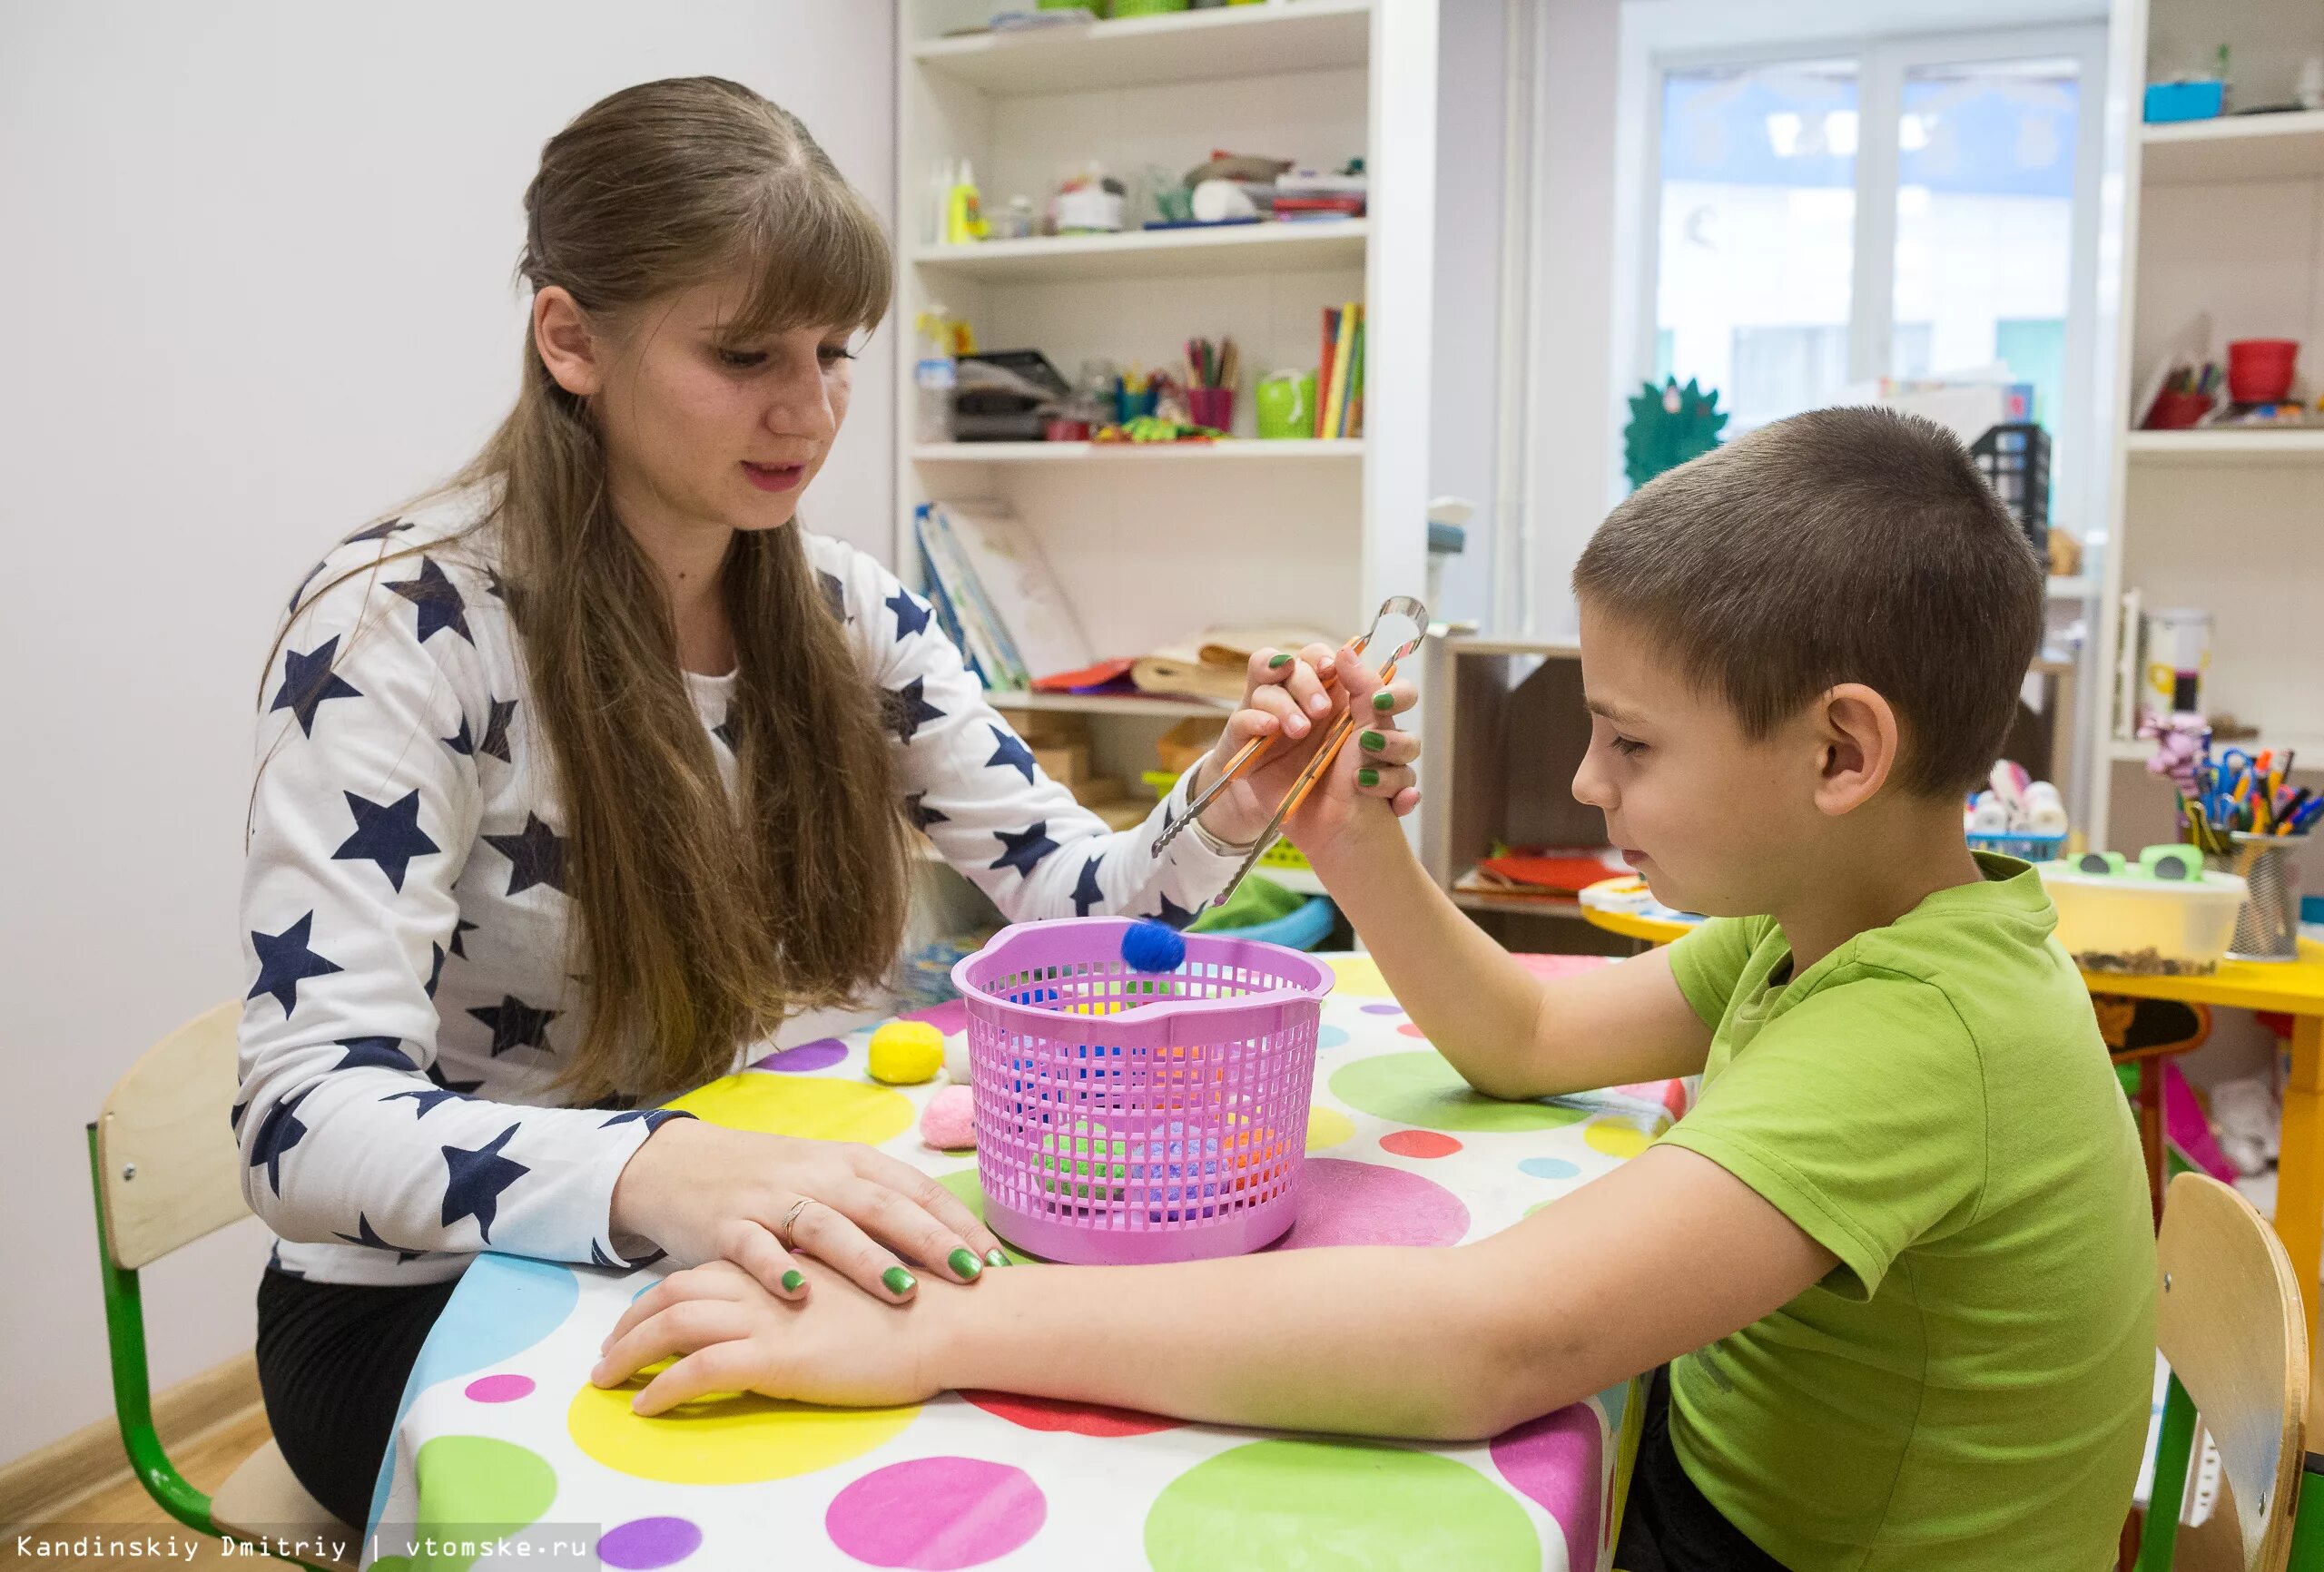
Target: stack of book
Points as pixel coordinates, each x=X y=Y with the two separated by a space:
x=1339 y=406
x=1310 y=194
x=995 y=596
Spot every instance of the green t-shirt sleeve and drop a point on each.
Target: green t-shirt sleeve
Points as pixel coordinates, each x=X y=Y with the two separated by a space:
x=1860 y=1113
x=1708 y=960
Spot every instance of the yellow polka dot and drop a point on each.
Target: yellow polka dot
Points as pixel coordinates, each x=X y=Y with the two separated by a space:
x=725 y=1438
x=814 y=1107
x=1328 y=1127
x=1615 y=1138
x=1359 y=978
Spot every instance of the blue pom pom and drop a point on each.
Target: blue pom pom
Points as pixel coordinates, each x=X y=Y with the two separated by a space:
x=1149 y=946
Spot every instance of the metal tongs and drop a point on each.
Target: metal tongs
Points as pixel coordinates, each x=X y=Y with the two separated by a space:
x=1405 y=606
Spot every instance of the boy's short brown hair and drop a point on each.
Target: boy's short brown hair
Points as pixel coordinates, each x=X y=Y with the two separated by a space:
x=1841 y=545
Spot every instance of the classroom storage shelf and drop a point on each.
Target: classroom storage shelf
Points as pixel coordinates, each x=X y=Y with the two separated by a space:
x=1110 y=704
x=1186 y=46
x=1306 y=245
x=2214 y=445
x=2236 y=148
x=1343 y=449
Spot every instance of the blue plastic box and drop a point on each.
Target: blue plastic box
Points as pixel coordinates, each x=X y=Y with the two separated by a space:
x=2171 y=101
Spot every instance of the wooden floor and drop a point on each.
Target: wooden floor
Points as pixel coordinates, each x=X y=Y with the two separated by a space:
x=123 y=1508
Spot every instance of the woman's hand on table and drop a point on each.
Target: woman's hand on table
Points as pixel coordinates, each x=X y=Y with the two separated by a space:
x=704 y=1192
x=727 y=1333
x=1285 y=696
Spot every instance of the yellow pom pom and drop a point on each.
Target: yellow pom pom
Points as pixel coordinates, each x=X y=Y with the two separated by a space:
x=906 y=1053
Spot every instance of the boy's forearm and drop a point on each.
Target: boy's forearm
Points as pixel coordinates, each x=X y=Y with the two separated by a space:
x=1480 y=1008
x=1385 y=1342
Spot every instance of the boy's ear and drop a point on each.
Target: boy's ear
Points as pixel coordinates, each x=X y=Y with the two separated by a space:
x=1861 y=742
x=566 y=343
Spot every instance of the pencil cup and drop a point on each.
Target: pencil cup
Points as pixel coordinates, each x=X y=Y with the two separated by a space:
x=2267 y=927
x=1212 y=407
x=1126 y=1117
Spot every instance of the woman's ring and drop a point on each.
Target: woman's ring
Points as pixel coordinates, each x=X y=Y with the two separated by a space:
x=790 y=1221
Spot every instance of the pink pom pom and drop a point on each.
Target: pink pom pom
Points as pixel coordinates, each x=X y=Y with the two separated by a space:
x=949 y=1123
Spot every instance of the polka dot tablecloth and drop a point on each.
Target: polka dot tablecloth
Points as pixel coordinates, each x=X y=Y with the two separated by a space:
x=503 y=1443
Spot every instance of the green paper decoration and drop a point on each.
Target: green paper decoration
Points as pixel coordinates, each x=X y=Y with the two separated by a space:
x=1668 y=426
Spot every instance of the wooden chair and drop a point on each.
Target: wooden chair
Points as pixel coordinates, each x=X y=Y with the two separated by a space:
x=2228 y=1321
x=166 y=1171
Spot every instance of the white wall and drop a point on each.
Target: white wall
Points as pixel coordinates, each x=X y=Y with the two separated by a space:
x=257 y=266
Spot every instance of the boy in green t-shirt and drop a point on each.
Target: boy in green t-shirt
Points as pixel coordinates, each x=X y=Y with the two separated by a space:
x=1897 y=1260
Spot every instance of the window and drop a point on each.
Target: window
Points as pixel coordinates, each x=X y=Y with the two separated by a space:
x=1906 y=208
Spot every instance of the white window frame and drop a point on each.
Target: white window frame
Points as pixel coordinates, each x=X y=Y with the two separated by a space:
x=1883 y=63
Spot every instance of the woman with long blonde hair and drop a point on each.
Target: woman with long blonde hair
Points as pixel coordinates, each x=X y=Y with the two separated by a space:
x=580 y=777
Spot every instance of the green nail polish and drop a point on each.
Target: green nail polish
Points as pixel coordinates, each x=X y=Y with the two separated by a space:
x=964 y=1264
x=1373 y=741
x=996 y=1258
x=1277 y=663
x=899 y=1281
x=794 y=1280
x=1367 y=776
x=1384 y=701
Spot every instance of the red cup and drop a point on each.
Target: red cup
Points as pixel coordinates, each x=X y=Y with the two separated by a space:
x=1212 y=407
x=2259 y=371
x=2177 y=411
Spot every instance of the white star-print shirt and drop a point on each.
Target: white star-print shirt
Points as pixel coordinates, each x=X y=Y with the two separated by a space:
x=407 y=930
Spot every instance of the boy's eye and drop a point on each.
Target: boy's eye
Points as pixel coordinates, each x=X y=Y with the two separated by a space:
x=1625 y=745
x=833 y=354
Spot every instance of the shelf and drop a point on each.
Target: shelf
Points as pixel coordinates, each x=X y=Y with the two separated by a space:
x=1306 y=245
x=1110 y=704
x=2080 y=587
x=1530 y=906
x=2235 y=148
x=2138 y=750
x=2214 y=445
x=1191 y=47
x=1230 y=451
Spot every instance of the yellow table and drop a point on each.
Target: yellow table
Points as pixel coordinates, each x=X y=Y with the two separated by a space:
x=2294 y=988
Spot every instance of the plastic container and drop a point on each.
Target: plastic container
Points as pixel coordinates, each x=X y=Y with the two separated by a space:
x=2030 y=848
x=2259 y=371
x=2114 y=916
x=2268 y=928
x=2174 y=101
x=1126 y=1118
x=2178 y=411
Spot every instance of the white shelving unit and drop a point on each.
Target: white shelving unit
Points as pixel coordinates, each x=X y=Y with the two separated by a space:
x=2224 y=217
x=1152 y=544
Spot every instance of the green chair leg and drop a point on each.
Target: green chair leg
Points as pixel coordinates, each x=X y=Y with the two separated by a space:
x=2307 y=1517
x=2172 y=1448
x=132 y=1387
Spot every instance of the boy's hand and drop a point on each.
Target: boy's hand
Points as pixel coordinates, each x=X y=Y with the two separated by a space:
x=1373 y=772
x=1285 y=697
x=834 y=1345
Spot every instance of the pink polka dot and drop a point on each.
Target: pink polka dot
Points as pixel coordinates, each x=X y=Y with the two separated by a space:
x=936 y=1514
x=1344 y=1203
x=1419 y=1144
x=500 y=1389
x=951 y=1017
x=819 y=1054
x=1554 y=1461
x=1412 y=1029
x=1074 y=1419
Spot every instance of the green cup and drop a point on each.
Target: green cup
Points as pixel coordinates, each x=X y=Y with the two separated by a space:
x=1284 y=405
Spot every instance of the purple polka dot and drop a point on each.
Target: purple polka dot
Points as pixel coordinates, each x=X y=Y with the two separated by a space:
x=1384 y=1009
x=1344 y=1203
x=643 y=1542
x=935 y=1514
x=820 y=1055
x=1555 y=1461
x=500 y=1389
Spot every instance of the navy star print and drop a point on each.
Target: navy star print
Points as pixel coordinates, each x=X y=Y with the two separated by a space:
x=1173 y=914
x=438 y=600
x=912 y=613
x=834 y=593
x=308 y=681
x=920 y=813
x=1008 y=753
x=460 y=742
x=496 y=731
x=724 y=733
x=461 y=928
x=515 y=1025
x=387 y=833
x=313 y=574
x=277 y=1134
x=365 y=1235
x=284 y=961
x=536 y=856
x=424 y=1102
x=374 y=1054
x=435 y=1072
x=378 y=532
x=908 y=710
x=1024 y=849
x=1086 y=893
x=478 y=1178
x=435 y=967
x=652 y=1118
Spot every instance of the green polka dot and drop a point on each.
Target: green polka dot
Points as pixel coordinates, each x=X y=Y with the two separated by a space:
x=478 y=1489
x=392 y=1564
x=1420 y=1088
x=1337 y=1507
x=963 y=1183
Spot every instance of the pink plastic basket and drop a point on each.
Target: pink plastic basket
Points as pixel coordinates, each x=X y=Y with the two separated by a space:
x=1126 y=1117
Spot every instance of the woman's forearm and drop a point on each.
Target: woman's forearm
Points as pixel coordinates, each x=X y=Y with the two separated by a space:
x=1388 y=1341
